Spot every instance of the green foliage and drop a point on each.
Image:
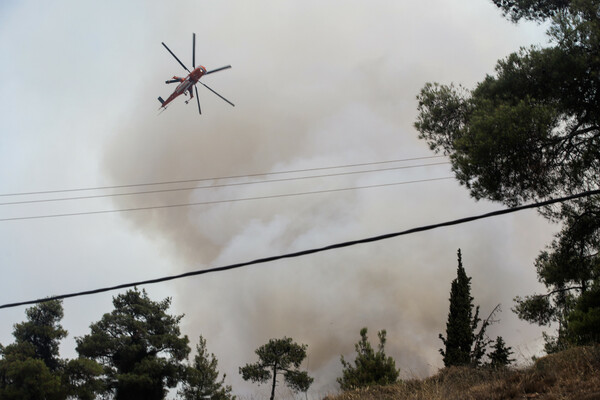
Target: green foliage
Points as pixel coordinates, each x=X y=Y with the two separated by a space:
x=370 y=367
x=81 y=378
x=500 y=356
x=279 y=357
x=27 y=378
x=584 y=322
x=461 y=325
x=532 y=131
x=43 y=331
x=30 y=368
x=201 y=381
x=536 y=309
x=569 y=268
x=513 y=139
x=571 y=260
x=139 y=345
x=531 y=9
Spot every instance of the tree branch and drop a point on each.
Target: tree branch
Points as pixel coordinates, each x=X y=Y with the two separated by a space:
x=560 y=291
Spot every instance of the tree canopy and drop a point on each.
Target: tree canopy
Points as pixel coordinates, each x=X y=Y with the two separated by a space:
x=279 y=357
x=31 y=369
x=529 y=132
x=532 y=129
x=134 y=352
x=202 y=377
x=43 y=332
x=23 y=376
x=370 y=367
x=531 y=9
x=140 y=346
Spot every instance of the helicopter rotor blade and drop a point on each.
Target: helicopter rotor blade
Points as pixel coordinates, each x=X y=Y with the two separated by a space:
x=218 y=69
x=198 y=100
x=172 y=81
x=178 y=60
x=194 y=51
x=233 y=105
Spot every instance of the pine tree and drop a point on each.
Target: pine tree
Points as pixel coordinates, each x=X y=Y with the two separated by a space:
x=461 y=325
x=31 y=367
x=500 y=357
x=370 y=367
x=279 y=357
x=43 y=331
x=139 y=345
x=201 y=380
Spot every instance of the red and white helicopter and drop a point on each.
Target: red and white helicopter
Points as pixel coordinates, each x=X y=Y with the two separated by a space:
x=188 y=84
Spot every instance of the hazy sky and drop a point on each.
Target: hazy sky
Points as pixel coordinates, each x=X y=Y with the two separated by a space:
x=316 y=84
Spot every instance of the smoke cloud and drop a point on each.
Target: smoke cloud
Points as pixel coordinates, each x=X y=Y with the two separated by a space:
x=319 y=84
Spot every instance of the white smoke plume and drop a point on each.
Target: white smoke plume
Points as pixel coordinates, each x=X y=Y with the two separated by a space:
x=324 y=85
x=316 y=84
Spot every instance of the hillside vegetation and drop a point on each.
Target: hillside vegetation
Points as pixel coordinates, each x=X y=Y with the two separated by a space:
x=570 y=374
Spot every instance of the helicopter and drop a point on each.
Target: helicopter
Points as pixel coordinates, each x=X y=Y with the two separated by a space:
x=188 y=84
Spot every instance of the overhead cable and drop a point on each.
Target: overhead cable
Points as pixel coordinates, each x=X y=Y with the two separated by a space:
x=217 y=186
x=214 y=178
x=310 y=251
x=202 y=203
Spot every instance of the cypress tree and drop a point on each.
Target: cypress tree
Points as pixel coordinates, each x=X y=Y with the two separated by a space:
x=461 y=322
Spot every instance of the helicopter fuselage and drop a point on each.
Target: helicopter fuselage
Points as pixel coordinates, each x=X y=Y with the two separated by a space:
x=186 y=84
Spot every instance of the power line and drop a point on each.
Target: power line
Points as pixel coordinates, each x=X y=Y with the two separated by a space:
x=310 y=251
x=221 y=201
x=218 y=186
x=215 y=178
